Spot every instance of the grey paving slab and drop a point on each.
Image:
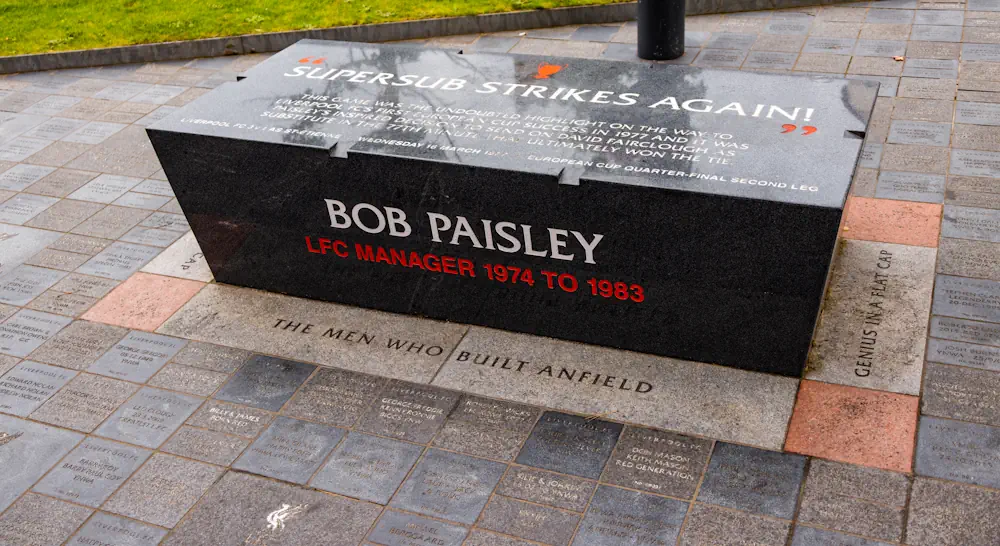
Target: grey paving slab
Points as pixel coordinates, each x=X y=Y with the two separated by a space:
x=982 y=333
x=121 y=91
x=23 y=207
x=205 y=445
x=888 y=85
x=61 y=182
x=211 y=357
x=823 y=62
x=920 y=132
x=931 y=68
x=529 y=521
x=939 y=17
x=28 y=385
x=188 y=379
x=111 y=222
x=487 y=428
x=754 y=480
x=27 y=451
x=21 y=148
x=149 y=417
x=92 y=471
x=770 y=60
x=367 y=467
x=979 y=137
x=35 y=519
x=27 y=330
x=105 y=528
x=21 y=285
x=158 y=94
x=149 y=236
x=64 y=215
x=408 y=412
x=118 y=261
x=79 y=344
x=855 y=499
x=570 y=444
x=641 y=395
x=880 y=48
x=20 y=176
x=137 y=356
x=871 y=156
x=105 y=188
x=163 y=490
x=811 y=536
x=658 y=462
x=957 y=451
x=794 y=27
x=7 y=362
x=971 y=223
x=901 y=186
x=617 y=516
x=127 y=153
x=57 y=259
x=975 y=163
x=231 y=419
x=336 y=397
x=71 y=305
x=981 y=113
x=543 y=487
x=183 y=259
x=16 y=125
x=727 y=58
x=958 y=392
x=707 y=524
x=141 y=200
x=290 y=449
x=85 y=402
x=154 y=187
x=730 y=40
x=974 y=299
x=81 y=244
x=936 y=33
x=591 y=33
x=968 y=258
x=879 y=298
x=251 y=318
x=239 y=506
x=397 y=528
x=94 y=132
x=951 y=514
x=265 y=382
x=981 y=52
x=449 y=486
x=85 y=285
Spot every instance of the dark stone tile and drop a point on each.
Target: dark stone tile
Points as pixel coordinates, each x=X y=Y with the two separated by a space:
x=409 y=412
x=231 y=419
x=983 y=333
x=290 y=449
x=367 y=467
x=27 y=330
x=854 y=499
x=962 y=393
x=105 y=529
x=903 y=186
x=237 y=509
x=951 y=514
x=570 y=444
x=971 y=223
x=35 y=519
x=529 y=521
x=974 y=299
x=336 y=397
x=449 y=486
x=27 y=451
x=709 y=524
x=150 y=417
x=810 y=536
x=137 y=357
x=746 y=478
x=84 y=402
x=265 y=382
x=79 y=344
x=92 y=471
x=211 y=357
x=593 y=33
x=658 y=462
x=205 y=445
x=957 y=451
x=539 y=486
x=617 y=516
x=487 y=428
x=399 y=529
x=163 y=490
x=28 y=385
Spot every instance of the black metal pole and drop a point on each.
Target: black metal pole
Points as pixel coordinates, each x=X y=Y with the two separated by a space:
x=661 y=29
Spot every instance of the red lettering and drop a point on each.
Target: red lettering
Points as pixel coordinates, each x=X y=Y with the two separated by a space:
x=448 y=264
x=415 y=260
x=324 y=245
x=432 y=263
x=340 y=249
x=466 y=266
x=364 y=253
x=309 y=246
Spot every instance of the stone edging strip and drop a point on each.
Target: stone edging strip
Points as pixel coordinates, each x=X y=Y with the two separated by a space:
x=379 y=32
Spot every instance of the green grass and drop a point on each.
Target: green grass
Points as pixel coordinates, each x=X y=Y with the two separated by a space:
x=37 y=26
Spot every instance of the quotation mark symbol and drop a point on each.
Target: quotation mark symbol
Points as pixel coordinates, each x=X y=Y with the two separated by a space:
x=307 y=60
x=806 y=130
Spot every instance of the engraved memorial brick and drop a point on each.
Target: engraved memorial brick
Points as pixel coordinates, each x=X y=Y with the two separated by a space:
x=336 y=397
x=21 y=285
x=963 y=354
x=982 y=333
x=163 y=490
x=290 y=449
x=754 y=480
x=85 y=402
x=27 y=330
x=399 y=529
x=530 y=521
x=150 y=417
x=542 y=487
x=971 y=223
x=658 y=462
x=903 y=186
x=28 y=385
x=108 y=529
x=487 y=428
x=920 y=132
x=617 y=516
x=409 y=412
x=957 y=451
x=231 y=419
x=92 y=471
x=449 y=486
x=958 y=392
x=974 y=299
x=137 y=357
x=119 y=260
x=367 y=467
x=968 y=258
x=265 y=382
x=27 y=451
x=570 y=444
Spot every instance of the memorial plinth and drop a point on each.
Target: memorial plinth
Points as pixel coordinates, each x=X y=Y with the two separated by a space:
x=671 y=210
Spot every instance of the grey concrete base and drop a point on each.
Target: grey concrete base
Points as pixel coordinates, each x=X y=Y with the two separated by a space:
x=381 y=32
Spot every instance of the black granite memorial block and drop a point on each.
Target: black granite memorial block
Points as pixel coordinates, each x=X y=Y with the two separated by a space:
x=265 y=382
x=673 y=210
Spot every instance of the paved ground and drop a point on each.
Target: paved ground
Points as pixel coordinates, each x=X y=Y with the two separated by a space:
x=137 y=403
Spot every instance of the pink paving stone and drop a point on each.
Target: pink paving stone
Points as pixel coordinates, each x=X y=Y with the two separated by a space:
x=889 y=221
x=852 y=425
x=144 y=301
